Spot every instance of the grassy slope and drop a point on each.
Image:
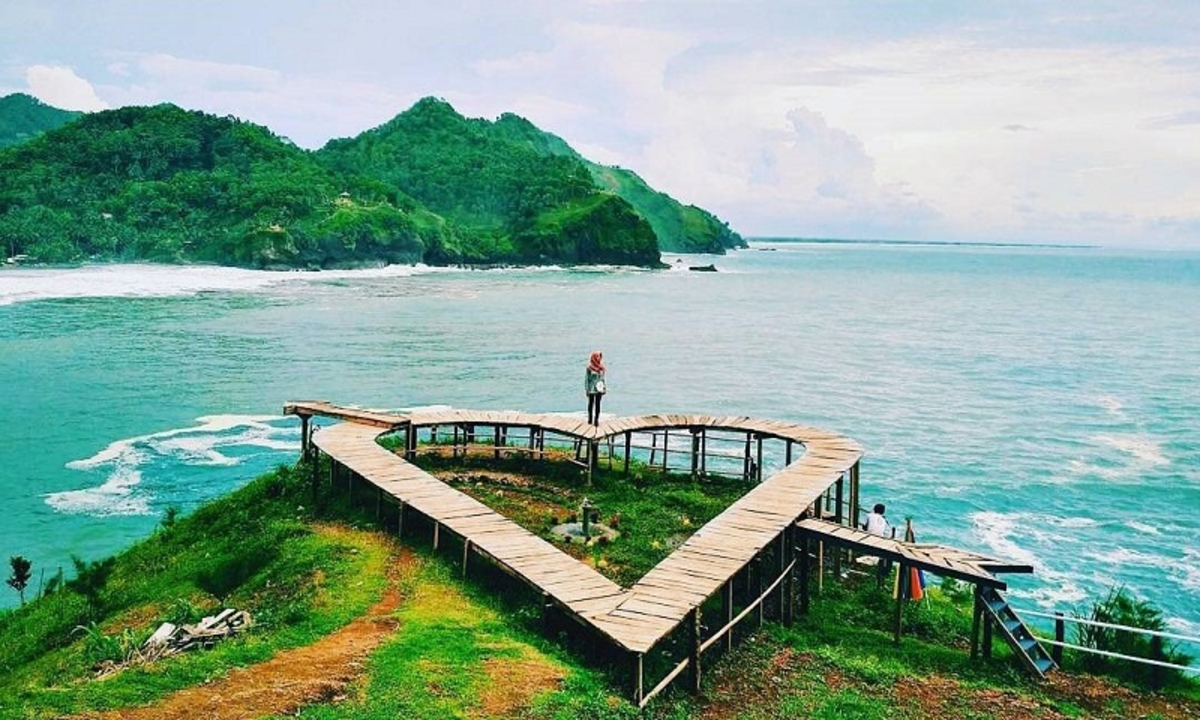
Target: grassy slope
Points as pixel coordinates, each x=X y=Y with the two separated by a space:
x=464 y=650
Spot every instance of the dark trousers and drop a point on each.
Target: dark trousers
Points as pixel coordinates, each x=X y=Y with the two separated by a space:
x=883 y=571
x=594 y=407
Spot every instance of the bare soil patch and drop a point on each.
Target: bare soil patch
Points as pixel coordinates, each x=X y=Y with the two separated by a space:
x=936 y=697
x=292 y=678
x=512 y=683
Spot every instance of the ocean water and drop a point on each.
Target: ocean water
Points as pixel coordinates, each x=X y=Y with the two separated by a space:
x=1039 y=404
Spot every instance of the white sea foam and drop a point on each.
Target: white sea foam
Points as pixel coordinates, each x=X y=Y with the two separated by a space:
x=996 y=530
x=124 y=462
x=1187 y=571
x=1057 y=591
x=1143 y=448
x=1183 y=627
x=1112 y=406
x=1142 y=527
x=115 y=497
x=1123 y=556
x=138 y=280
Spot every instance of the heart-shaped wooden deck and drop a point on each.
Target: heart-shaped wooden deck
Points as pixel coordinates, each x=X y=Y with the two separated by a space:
x=637 y=617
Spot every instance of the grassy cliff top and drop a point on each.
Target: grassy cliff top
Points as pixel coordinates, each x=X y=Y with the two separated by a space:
x=349 y=623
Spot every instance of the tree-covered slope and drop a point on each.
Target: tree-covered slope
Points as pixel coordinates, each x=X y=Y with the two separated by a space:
x=511 y=198
x=162 y=183
x=679 y=227
x=23 y=117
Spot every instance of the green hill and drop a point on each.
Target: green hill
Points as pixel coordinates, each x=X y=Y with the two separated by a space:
x=23 y=117
x=679 y=227
x=167 y=184
x=171 y=185
x=518 y=203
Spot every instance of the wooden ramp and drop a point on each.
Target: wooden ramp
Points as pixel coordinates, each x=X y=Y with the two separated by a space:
x=636 y=618
x=937 y=559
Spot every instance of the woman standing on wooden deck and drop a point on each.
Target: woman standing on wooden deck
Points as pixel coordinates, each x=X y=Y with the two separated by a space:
x=593 y=385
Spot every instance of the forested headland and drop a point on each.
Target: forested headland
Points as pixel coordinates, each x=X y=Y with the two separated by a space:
x=167 y=184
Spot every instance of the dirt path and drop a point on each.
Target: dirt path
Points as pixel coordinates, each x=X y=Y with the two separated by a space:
x=290 y=680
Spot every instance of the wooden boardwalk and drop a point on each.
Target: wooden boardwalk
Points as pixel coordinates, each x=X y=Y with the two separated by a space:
x=635 y=618
x=940 y=560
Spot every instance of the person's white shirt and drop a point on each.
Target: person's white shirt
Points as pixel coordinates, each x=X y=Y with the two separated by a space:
x=877 y=524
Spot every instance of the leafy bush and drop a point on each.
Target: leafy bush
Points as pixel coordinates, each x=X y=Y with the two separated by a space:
x=1120 y=607
x=90 y=579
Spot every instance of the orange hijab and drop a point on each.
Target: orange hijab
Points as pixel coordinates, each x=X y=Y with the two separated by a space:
x=595 y=364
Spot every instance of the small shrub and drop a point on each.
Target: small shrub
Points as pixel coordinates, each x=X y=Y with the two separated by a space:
x=230 y=572
x=90 y=579
x=99 y=648
x=183 y=611
x=957 y=591
x=1119 y=607
x=20 y=575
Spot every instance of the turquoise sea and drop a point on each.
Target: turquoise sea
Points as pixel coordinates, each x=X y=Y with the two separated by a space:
x=1039 y=404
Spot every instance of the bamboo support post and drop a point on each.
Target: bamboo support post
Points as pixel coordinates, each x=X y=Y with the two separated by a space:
x=628 y=443
x=805 y=563
x=729 y=613
x=666 y=445
x=695 y=454
x=758 y=464
x=820 y=566
x=901 y=593
x=694 y=648
x=638 y=676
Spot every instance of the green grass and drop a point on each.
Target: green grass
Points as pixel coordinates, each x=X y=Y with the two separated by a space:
x=654 y=512
x=462 y=644
x=298 y=581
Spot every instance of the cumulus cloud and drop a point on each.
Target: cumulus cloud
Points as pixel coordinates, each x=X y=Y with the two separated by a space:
x=713 y=125
x=982 y=124
x=62 y=88
x=308 y=109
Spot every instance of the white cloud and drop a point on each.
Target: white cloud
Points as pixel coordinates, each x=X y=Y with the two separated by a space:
x=965 y=123
x=62 y=88
x=308 y=109
x=208 y=75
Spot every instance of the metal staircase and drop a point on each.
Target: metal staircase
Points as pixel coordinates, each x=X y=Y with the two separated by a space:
x=1033 y=656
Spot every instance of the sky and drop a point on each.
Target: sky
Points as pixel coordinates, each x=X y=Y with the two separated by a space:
x=1007 y=121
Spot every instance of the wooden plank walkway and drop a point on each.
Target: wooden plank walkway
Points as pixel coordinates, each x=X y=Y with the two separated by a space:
x=638 y=617
x=937 y=559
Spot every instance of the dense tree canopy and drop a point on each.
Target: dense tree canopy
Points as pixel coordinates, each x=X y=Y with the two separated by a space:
x=508 y=194
x=166 y=184
x=679 y=228
x=23 y=117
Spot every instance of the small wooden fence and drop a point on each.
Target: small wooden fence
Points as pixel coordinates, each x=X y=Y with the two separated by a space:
x=1059 y=642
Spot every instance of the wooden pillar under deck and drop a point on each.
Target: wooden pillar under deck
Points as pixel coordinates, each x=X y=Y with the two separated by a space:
x=804 y=581
x=758 y=472
x=638 y=675
x=304 y=438
x=628 y=443
x=695 y=453
x=976 y=616
x=694 y=629
x=901 y=593
x=729 y=613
